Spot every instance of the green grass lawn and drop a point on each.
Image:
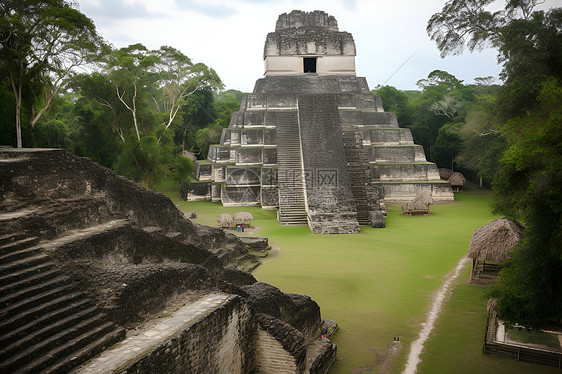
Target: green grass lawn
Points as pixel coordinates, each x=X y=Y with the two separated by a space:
x=379 y=284
x=455 y=346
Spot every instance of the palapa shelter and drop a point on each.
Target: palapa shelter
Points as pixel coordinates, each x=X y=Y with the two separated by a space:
x=420 y=204
x=225 y=220
x=242 y=217
x=491 y=245
x=457 y=181
x=445 y=173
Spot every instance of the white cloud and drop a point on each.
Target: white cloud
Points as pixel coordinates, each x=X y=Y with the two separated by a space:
x=105 y=11
x=229 y=35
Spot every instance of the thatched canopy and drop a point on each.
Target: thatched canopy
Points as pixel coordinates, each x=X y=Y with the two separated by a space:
x=457 y=179
x=413 y=205
x=224 y=220
x=493 y=241
x=445 y=173
x=423 y=197
x=241 y=217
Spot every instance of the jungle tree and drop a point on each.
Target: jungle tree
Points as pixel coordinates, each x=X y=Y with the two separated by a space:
x=42 y=43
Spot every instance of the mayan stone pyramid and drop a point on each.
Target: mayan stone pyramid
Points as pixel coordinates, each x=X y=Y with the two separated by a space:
x=311 y=141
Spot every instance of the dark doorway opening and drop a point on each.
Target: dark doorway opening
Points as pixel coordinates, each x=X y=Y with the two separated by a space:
x=309 y=64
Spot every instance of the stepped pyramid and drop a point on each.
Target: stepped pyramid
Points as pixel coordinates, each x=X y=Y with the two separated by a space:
x=311 y=140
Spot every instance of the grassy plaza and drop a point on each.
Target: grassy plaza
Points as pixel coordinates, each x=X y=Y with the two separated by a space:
x=379 y=284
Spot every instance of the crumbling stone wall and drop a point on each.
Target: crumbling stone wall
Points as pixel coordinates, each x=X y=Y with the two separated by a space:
x=222 y=342
x=280 y=348
x=134 y=255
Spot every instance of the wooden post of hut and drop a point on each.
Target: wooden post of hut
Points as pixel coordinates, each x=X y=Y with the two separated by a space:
x=492 y=243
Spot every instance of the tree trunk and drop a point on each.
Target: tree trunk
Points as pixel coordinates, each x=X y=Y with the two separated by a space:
x=135 y=111
x=17 y=95
x=18 y=121
x=481 y=182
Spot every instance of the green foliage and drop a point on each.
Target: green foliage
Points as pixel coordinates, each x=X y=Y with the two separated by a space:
x=42 y=43
x=529 y=180
x=141 y=161
x=207 y=136
x=395 y=101
x=437 y=117
x=183 y=167
x=532 y=165
x=528 y=188
x=531 y=50
x=448 y=144
x=7 y=117
x=482 y=143
x=227 y=102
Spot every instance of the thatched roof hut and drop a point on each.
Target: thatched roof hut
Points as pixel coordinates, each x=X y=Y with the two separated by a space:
x=493 y=242
x=420 y=204
x=423 y=197
x=225 y=220
x=457 y=181
x=445 y=173
x=242 y=217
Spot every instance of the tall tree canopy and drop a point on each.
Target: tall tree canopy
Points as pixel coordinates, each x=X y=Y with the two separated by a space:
x=148 y=94
x=42 y=44
x=528 y=116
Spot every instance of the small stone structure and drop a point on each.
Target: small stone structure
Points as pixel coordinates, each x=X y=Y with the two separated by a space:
x=89 y=258
x=311 y=141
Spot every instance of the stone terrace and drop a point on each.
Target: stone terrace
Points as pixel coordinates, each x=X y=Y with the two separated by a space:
x=88 y=258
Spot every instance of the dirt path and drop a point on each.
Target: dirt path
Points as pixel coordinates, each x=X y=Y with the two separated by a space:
x=417 y=346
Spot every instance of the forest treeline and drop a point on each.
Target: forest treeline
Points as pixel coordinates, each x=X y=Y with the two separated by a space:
x=132 y=109
x=136 y=110
x=451 y=120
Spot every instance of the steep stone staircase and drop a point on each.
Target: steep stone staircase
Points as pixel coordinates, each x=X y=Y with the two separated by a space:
x=357 y=170
x=47 y=324
x=292 y=210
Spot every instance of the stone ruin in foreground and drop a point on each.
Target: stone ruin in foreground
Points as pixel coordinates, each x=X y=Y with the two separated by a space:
x=311 y=141
x=93 y=264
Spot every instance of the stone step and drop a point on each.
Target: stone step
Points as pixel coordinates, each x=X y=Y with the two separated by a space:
x=293 y=215
x=24 y=273
x=39 y=299
x=57 y=347
x=35 y=337
x=28 y=262
x=136 y=346
x=85 y=353
x=15 y=245
x=8 y=323
x=19 y=254
x=38 y=322
x=8 y=238
x=294 y=222
x=32 y=278
x=32 y=290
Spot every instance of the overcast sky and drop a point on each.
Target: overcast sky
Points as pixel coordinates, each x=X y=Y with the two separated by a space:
x=229 y=35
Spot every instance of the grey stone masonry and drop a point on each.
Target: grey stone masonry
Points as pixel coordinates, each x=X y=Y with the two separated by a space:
x=330 y=204
x=195 y=338
x=302 y=33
